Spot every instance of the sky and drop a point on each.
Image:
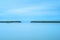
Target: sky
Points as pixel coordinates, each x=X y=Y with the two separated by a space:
x=29 y=9
x=26 y=11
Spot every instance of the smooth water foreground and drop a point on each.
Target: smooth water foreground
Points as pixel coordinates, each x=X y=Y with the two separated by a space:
x=30 y=31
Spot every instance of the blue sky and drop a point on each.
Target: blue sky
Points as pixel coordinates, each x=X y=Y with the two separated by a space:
x=26 y=11
x=29 y=9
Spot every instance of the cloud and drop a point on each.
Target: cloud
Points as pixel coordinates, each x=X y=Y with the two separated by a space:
x=22 y=10
x=32 y=10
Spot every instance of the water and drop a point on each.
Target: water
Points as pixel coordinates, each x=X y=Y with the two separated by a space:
x=30 y=31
